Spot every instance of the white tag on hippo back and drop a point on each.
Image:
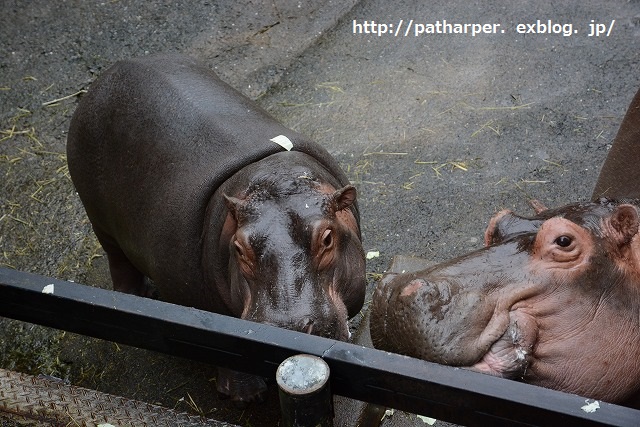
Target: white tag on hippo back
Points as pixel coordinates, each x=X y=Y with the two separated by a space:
x=283 y=141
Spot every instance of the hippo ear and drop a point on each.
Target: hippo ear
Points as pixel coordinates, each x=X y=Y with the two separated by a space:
x=537 y=206
x=491 y=234
x=344 y=197
x=234 y=205
x=624 y=221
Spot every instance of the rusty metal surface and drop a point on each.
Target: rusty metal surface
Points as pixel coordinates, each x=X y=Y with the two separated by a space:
x=38 y=401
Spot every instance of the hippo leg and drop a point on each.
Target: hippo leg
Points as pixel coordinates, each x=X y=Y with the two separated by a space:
x=126 y=278
x=240 y=387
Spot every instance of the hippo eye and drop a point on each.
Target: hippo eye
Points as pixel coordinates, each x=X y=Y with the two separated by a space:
x=327 y=238
x=563 y=241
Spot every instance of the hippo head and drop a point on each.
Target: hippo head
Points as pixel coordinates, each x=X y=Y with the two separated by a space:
x=553 y=300
x=296 y=260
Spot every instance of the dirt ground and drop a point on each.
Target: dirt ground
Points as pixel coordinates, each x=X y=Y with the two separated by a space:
x=437 y=132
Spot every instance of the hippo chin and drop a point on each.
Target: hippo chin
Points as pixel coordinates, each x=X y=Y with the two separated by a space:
x=192 y=185
x=553 y=300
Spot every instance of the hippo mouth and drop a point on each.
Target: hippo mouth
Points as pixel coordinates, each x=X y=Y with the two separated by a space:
x=431 y=320
x=510 y=356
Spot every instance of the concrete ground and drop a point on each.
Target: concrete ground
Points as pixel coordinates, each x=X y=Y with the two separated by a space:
x=437 y=131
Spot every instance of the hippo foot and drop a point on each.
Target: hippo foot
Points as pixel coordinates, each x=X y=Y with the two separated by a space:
x=241 y=388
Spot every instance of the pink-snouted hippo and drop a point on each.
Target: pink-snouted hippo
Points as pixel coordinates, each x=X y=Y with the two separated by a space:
x=189 y=183
x=552 y=299
x=556 y=305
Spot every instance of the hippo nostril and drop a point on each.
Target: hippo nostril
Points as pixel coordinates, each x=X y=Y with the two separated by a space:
x=423 y=290
x=412 y=287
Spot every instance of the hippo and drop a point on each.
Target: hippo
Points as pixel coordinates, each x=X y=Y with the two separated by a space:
x=552 y=299
x=202 y=199
x=620 y=176
x=549 y=306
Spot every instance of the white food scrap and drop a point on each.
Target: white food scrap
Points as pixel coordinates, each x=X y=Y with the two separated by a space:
x=591 y=406
x=373 y=254
x=427 y=420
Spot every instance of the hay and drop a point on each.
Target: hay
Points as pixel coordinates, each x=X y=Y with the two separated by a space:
x=487 y=125
x=462 y=165
x=383 y=153
x=55 y=102
x=332 y=86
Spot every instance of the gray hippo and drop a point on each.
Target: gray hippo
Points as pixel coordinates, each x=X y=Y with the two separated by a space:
x=552 y=299
x=190 y=184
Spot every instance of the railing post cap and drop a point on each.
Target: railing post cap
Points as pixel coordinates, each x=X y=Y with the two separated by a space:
x=302 y=374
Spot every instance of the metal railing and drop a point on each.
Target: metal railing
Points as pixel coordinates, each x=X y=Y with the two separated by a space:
x=366 y=374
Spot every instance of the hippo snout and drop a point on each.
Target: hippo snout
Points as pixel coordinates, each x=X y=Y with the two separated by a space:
x=432 y=295
x=418 y=294
x=406 y=308
x=327 y=324
x=414 y=286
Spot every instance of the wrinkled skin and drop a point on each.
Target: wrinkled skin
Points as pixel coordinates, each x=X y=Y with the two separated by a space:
x=553 y=300
x=184 y=185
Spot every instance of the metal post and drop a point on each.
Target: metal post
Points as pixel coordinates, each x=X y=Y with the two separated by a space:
x=305 y=395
